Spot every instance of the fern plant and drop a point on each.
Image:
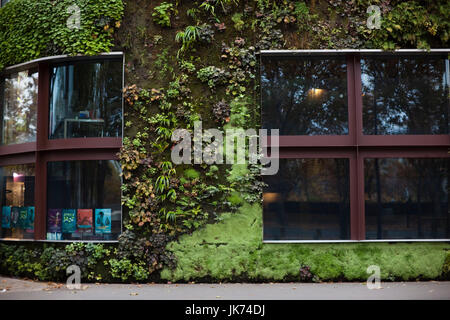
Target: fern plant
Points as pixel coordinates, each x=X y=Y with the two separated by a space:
x=187 y=38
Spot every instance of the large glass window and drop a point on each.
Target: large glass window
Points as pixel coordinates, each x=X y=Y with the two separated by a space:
x=19 y=107
x=83 y=200
x=405 y=94
x=86 y=99
x=304 y=95
x=407 y=198
x=368 y=163
x=17 y=201
x=308 y=199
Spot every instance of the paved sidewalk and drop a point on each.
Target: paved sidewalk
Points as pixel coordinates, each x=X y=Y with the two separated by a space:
x=12 y=289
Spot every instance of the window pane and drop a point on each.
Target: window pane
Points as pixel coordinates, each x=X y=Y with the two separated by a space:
x=405 y=95
x=308 y=199
x=86 y=100
x=304 y=95
x=407 y=198
x=84 y=200
x=17 y=201
x=20 y=107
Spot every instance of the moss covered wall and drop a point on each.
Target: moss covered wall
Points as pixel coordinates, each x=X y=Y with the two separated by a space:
x=232 y=250
x=195 y=60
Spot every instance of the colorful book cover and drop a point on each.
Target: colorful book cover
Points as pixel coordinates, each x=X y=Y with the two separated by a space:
x=102 y=221
x=29 y=224
x=84 y=220
x=54 y=220
x=69 y=220
x=22 y=221
x=6 y=217
x=14 y=216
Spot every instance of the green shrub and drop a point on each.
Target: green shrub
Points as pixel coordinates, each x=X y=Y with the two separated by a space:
x=162 y=13
x=213 y=76
x=238 y=23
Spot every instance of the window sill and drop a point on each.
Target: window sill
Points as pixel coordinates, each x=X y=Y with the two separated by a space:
x=354 y=241
x=59 y=241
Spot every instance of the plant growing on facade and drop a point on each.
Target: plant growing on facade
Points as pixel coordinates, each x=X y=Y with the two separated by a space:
x=162 y=14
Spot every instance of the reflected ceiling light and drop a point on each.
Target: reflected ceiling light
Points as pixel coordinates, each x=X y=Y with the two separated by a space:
x=315 y=92
x=271 y=197
x=17 y=177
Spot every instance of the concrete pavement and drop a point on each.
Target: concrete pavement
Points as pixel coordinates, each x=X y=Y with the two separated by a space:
x=16 y=289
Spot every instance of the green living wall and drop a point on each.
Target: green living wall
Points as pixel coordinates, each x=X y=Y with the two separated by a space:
x=196 y=60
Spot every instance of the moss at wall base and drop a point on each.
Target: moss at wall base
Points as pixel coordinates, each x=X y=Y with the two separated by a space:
x=232 y=250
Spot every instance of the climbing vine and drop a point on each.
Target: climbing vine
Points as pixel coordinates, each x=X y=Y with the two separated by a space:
x=30 y=29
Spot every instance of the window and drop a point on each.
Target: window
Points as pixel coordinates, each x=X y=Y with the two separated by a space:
x=405 y=95
x=406 y=198
x=83 y=200
x=364 y=145
x=305 y=96
x=20 y=107
x=17 y=201
x=86 y=99
x=61 y=133
x=315 y=205
x=3 y=2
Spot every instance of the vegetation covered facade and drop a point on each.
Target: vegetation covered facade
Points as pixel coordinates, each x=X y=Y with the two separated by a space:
x=187 y=61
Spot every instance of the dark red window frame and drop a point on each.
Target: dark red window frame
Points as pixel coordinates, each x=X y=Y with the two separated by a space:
x=356 y=146
x=44 y=150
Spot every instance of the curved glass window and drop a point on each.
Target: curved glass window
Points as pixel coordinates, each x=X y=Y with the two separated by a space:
x=17 y=201
x=86 y=99
x=83 y=200
x=19 y=112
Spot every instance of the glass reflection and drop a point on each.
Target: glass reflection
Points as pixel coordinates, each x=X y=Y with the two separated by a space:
x=407 y=198
x=86 y=100
x=83 y=200
x=308 y=199
x=17 y=201
x=304 y=95
x=405 y=95
x=20 y=107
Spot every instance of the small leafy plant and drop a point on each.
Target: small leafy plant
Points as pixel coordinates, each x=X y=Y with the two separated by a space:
x=213 y=76
x=162 y=13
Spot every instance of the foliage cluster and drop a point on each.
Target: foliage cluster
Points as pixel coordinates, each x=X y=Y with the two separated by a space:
x=162 y=13
x=30 y=29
